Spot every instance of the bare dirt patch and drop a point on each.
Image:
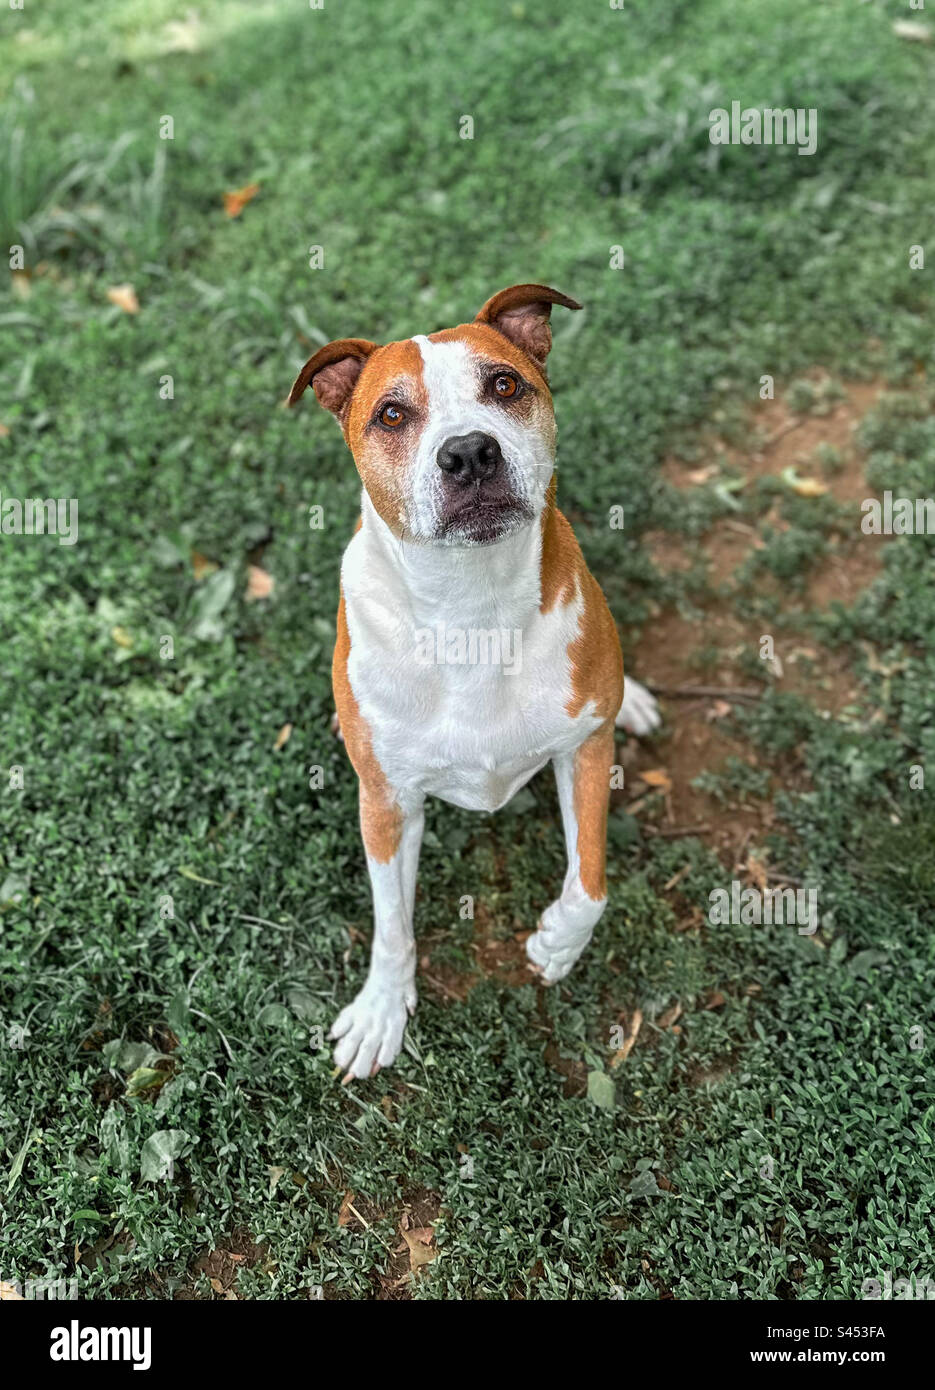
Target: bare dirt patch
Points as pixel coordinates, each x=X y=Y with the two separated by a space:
x=222 y=1266
x=711 y=649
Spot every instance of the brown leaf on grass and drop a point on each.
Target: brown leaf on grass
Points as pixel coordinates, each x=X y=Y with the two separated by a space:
x=4 y=431
x=670 y=1016
x=124 y=296
x=715 y=1000
x=201 y=566
x=636 y=1023
x=702 y=475
x=122 y=637
x=234 y=203
x=804 y=487
x=345 y=1214
x=282 y=738
x=259 y=583
x=657 y=777
x=719 y=710
x=21 y=284
x=756 y=868
x=9 y=1293
x=419 y=1240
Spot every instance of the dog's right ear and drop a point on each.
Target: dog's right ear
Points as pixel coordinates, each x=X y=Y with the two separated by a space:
x=333 y=372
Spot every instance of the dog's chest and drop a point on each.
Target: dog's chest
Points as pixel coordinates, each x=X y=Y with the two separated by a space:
x=464 y=710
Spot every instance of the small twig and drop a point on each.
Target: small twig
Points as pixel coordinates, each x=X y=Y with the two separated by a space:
x=676 y=878
x=720 y=692
x=367 y=1226
x=439 y=985
x=672 y=832
x=781 y=434
x=264 y=922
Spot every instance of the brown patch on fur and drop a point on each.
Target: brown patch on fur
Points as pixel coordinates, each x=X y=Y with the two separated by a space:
x=596 y=660
x=593 y=761
x=382 y=455
x=381 y=820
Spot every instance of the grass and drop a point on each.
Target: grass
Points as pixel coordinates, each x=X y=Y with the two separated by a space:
x=181 y=909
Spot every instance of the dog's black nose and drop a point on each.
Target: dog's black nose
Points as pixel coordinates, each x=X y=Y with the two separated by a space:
x=470 y=458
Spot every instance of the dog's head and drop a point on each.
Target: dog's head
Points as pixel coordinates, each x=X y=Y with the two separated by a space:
x=453 y=434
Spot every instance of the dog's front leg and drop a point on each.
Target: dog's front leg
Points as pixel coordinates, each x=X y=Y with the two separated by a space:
x=371 y=1028
x=583 y=780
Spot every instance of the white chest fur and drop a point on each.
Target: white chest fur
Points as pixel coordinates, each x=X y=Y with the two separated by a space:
x=462 y=681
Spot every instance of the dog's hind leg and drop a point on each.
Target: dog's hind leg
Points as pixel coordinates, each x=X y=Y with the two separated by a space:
x=639 y=713
x=583 y=780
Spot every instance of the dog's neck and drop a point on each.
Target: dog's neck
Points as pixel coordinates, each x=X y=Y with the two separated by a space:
x=495 y=585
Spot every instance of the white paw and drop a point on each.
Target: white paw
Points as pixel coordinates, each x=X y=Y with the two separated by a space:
x=371 y=1029
x=555 y=947
x=336 y=727
x=639 y=713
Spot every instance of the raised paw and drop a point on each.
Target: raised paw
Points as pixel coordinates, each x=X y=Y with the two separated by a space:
x=639 y=713
x=370 y=1029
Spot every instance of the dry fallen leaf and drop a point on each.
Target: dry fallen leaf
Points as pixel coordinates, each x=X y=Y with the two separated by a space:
x=259 y=583
x=21 y=284
x=345 y=1214
x=124 y=296
x=804 y=487
x=4 y=431
x=121 y=637
x=756 y=868
x=234 y=203
x=201 y=566
x=9 y=1293
x=657 y=777
x=282 y=738
x=419 y=1239
x=702 y=475
x=621 y=1055
x=670 y=1016
x=719 y=710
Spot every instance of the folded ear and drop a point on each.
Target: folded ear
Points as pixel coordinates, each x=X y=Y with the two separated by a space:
x=521 y=314
x=333 y=373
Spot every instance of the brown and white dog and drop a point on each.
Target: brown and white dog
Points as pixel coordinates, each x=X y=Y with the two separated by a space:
x=473 y=645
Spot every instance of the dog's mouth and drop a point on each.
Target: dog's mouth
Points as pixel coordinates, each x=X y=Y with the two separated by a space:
x=481 y=520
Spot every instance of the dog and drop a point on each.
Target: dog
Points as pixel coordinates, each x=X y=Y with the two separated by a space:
x=460 y=542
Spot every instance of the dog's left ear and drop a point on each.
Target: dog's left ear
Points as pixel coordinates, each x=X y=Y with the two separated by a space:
x=521 y=314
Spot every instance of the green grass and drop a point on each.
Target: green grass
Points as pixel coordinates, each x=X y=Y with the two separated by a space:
x=792 y=1124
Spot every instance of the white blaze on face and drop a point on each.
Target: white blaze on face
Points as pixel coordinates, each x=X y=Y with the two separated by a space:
x=453 y=380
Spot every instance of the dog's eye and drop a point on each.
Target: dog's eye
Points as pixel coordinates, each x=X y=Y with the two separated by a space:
x=505 y=386
x=392 y=416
